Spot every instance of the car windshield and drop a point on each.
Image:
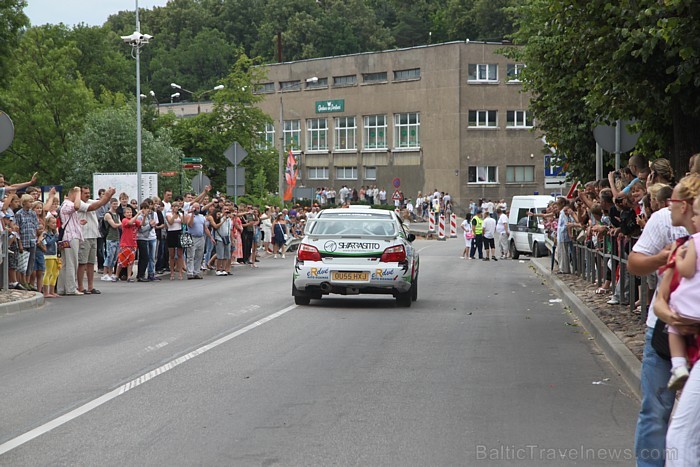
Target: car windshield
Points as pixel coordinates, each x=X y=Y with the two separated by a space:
x=352 y=226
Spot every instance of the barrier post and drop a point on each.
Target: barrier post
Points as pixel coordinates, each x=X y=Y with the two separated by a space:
x=431 y=222
x=453 y=225
x=441 y=228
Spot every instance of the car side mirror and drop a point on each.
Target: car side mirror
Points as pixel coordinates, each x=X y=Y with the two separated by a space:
x=411 y=237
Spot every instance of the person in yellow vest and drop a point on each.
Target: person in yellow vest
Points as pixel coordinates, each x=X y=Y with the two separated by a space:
x=478 y=229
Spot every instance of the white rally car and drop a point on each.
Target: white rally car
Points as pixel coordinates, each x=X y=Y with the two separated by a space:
x=353 y=251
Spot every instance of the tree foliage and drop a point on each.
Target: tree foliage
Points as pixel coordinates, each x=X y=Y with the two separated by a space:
x=638 y=59
x=107 y=143
x=12 y=20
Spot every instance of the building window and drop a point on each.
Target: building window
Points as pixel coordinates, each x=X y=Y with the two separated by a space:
x=370 y=173
x=317 y=134
x=267 y=137
x=264 y=88
x=317 y=173
x=346 y=173
x=290 y=85
x=319 y=83
x=349 y=80
x=292 y=134
x=379 y=77
x=483 y=118
x=483 y=174
x=513 y=71
x=345 y=133
x=407 y=130
x=518 y=119
x=483 y=72
x=520 y=174
x=402 y=75
x=375 y=131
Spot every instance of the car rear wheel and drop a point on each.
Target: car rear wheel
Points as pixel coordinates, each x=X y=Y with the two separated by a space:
x=536 y=250
x=404 y=299
x=514 y=253
x=300 y=298
x=414 y=289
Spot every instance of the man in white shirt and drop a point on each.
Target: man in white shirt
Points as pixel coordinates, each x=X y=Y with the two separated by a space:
x=86 y=215
x=648 y=255
x=489 y=243
x=409 y=208
x=502 y=233
x=382 y=196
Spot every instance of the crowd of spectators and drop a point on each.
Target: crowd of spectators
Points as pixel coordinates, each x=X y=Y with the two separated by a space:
x=642 y=215
x=59 y=248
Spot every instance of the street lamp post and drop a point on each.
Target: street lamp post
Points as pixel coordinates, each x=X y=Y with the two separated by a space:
x=136 y=41
x=173 y=96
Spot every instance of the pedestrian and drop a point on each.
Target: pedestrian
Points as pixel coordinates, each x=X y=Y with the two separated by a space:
x=127 y=243
x=146 y=242
x=220 y=224
x=468 y=235
x=113 y=224
x=489 y=232
x=648 y=254
x=87 y=254
x=176 y=259
x=502 y=232
x=28 y=224
x=478 y=229
x=279 y=235
x=70 y=244
x=196 y=226
x=49 y=240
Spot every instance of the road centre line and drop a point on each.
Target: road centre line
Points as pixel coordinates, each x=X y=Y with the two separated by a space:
x=121 y=390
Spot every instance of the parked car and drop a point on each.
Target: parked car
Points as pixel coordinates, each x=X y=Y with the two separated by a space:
x=356 y=251
x=527 y=234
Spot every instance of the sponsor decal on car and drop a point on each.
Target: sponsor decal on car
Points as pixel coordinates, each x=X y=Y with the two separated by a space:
x=318 y=273
x=384 y=275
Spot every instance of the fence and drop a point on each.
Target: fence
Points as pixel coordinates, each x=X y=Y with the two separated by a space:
x=592 y=264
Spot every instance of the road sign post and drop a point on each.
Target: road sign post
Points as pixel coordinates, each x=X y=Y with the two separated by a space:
x=235 y=154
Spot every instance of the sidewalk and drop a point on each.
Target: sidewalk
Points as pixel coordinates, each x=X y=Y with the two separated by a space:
x=12 y=301
x=618 y=332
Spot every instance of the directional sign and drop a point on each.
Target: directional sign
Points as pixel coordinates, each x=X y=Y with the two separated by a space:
x=192 y=166
x=191 y=160
x=168 y=174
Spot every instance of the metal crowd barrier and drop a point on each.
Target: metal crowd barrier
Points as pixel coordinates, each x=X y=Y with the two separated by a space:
x=591 y=265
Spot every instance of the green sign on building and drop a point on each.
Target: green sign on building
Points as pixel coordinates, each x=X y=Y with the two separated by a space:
x=332 y=105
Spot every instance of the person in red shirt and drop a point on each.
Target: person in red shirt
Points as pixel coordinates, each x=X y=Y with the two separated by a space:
x=127 y=243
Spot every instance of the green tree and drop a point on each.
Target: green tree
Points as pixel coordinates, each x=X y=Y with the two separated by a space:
x=47 y=99
x=637 y=59
x=12 y=20
x=107 y=143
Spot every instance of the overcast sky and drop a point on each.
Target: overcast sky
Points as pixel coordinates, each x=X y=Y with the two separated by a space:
x=72 y=12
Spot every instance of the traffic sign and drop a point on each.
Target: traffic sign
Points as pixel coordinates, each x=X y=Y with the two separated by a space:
x=168 y=174
x=191 y=160
x=396 y=196
x=397 y=182
x=192 y=166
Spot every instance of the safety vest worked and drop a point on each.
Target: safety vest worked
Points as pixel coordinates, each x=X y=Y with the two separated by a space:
x=478 y=224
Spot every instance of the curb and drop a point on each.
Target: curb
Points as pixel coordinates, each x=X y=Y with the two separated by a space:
x=622 y=359
x=22 y=305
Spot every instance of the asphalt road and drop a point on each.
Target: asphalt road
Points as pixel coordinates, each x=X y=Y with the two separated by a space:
x=484 y=369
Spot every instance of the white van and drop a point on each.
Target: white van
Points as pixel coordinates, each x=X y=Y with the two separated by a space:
x=527 y=232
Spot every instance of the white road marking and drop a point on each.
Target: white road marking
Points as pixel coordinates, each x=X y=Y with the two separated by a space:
x=160 y=345
x=93 y=404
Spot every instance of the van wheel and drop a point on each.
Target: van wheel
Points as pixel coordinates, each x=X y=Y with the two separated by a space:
x=536 y=250
x=514 y=253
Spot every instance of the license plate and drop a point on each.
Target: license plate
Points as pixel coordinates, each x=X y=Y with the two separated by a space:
x=350 y=276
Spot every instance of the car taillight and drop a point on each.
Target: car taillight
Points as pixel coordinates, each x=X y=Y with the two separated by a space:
x=395 y=254
x=308 y=253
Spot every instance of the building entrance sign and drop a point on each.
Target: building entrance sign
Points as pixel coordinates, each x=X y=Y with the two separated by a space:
x=331 y=105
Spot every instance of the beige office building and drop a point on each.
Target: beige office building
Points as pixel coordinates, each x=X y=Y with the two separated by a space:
x=448 y=116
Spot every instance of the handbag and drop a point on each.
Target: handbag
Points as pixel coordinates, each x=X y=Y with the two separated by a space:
x=186 y=239
x=22 y=262
x=469 y=235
